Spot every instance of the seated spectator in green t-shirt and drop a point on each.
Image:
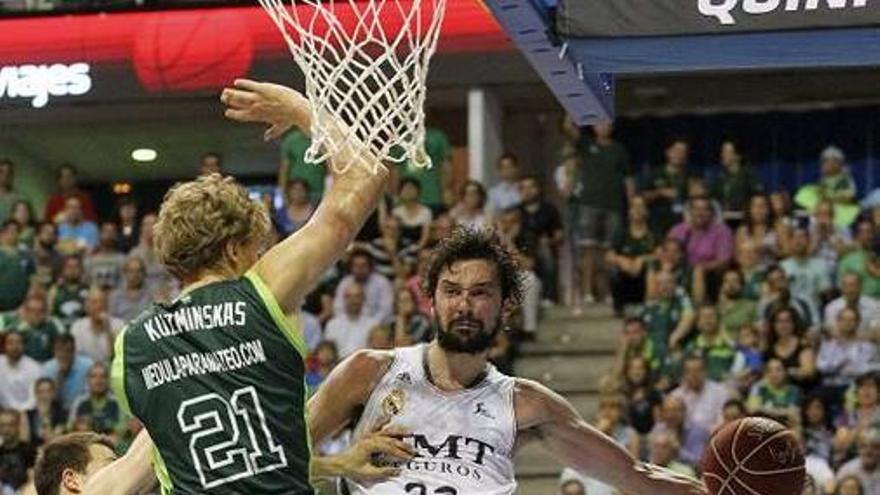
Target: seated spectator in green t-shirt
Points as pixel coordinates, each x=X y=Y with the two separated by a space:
x=665 y=187
x=836 y=183
x=713 y=344
x=39 y=329
x=635 y=343
x=809 y=275
x=750 y=266
x=773 y=395
x=629 y=257
x=668 y=316
x=99 y=404
x=862 y=260
x=670 y=259
x=67 y=298
x=16 y=267
x=735 y=309
x=737 y=182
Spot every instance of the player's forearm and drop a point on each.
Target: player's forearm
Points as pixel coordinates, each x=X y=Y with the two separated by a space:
x=131 y=474
x=294 y=266
x=584 y=444
x=359 y=180
x=326 y=467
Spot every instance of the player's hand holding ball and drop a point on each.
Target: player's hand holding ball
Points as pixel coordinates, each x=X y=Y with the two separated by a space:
x=360 y=461
x=278 y=106
x=676 y=484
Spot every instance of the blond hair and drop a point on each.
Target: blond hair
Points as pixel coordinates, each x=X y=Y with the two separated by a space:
x=199 y=218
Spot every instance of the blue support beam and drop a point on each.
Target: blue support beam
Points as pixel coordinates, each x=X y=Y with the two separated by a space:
x=587 y=96
x=852 y=47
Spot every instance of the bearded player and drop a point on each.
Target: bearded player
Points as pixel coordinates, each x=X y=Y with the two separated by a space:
x=464 y=418
x=217 y=375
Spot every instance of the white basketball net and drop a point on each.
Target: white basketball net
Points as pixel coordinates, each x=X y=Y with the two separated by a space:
x=366 y=65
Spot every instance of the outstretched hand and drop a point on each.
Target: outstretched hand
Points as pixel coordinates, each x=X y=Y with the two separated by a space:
x=675 y=484
x=277 y=106
x=360 y=461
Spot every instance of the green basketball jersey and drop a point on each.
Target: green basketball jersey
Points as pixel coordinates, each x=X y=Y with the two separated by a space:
x=217 y=378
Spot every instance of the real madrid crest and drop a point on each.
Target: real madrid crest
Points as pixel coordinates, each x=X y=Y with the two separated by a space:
x=394 y=402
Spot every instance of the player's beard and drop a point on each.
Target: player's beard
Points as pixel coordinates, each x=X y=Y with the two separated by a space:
x=479 y=341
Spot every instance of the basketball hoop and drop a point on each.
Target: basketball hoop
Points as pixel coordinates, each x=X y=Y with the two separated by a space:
x=366 y=65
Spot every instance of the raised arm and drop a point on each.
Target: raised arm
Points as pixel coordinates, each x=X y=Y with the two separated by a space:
x=292 y=267
x=131 y=474
x=580 y=446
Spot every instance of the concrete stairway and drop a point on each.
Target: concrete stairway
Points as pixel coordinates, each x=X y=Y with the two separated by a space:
x=569 y=355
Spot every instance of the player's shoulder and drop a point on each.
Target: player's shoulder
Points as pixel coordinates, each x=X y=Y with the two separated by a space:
x=535 y=403
x=358 y=374
x=368 y=362
x=530 y=390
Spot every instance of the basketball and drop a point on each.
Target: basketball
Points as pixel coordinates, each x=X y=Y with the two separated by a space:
x=753 y=456
x=192 y=50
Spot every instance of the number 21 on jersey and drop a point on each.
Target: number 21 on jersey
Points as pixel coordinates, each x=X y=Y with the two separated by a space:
x=229 y=440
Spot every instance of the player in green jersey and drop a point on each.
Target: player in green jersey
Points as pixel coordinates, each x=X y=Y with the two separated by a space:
x=216 y=375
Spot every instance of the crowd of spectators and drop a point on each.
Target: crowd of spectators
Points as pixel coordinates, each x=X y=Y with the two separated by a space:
x=733 y=301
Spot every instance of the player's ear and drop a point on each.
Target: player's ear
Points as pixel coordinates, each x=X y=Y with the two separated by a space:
x=231 y=251
x=72 y=481
x=507 y=310
x=234 y=252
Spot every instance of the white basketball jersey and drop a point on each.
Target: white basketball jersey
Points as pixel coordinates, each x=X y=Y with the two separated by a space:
x=464 y=439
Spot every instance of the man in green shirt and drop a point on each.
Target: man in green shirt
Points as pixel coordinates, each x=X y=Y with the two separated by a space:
x=713 y=344
x=67 y=298
x=16 y=267
x=837 y=184
x=668 y=317
x=437 y=179
x=8 y=195
x=217 y=375
x=735 y=309
x=666 y=187
x=295 y=166
x=36 y=327
x=736 y=183
x=603 y=183
x=774 y=395
x=635 y=343
x=810 y=275
x=862 y=259
x=98 y=405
